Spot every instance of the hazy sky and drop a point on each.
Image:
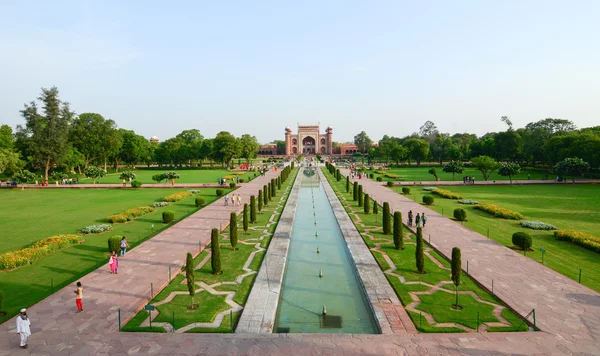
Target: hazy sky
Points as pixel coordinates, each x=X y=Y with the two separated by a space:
x=160 y=67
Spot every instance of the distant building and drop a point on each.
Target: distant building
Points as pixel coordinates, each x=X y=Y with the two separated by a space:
x=268 y=149
x=308 y=141
x=154 y=139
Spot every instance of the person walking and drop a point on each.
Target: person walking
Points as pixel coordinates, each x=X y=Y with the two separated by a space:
x=418 y=220
x=226 y=199
x=423 y=219
x=124 y=246
x=410 y=217
x=239 y=199
x=123 y=180
x=23 y=327
x=79 y=297
x=112 y=262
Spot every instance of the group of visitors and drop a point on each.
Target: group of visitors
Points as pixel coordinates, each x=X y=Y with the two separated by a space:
x=419 y=219
x=469 y=180
x=130 y=180
x=236 y=200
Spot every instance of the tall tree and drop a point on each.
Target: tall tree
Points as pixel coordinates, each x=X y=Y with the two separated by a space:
x=233 y=230
x=47 y=131
x=418 y=149
x=440 y=146
x=456 y=269
x=429 y=132
x=485 y=164
x=398 y=238
x=573 y=166
x=225 y=147
x=7 y=139
x=189 y=277
x=363 y=142
x=215 y=257
x=92 y=135
x=248 y=147
x=190 y=142
x=10 y=161
x=419 y=252
x=134 y=148
x=509 y=170
x=454 y=167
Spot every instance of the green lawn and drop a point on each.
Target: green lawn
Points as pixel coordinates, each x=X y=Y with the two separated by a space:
x=232 y=262
x=439 y=305
x=187 y=176
x=566 y=206
x=36 y=214
x=422 y=174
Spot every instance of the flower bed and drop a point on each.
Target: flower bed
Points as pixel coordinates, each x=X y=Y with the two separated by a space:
x=194 y=191
x=582 y=239
x=499 y=212
x=391 y=175
x=96 y=229
x=39 y=249
x=429 y=189
x=160 y=204
x=177 y=196
x=129 y=214
x=468 y=202
x=538 y=225
x=446 y=194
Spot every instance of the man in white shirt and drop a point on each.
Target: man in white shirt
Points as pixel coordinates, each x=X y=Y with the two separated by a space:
x=23 y=329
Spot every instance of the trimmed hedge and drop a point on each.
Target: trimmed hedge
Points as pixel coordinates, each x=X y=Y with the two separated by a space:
x=177 y=196
x=390 y=183
x=199 y=201
x=379 y=179
x=468 y=202
x=95 y=229
x=537 y=225
x=522 y=240
x=582 y=239
x=405 y=190
x=499 y=212
x=129 y=214
x=114 y=243
x=460 y=214
x=136 y=184
x=168 y=216
x=446 y=194
x=18 y=258
x=428 y=199
x=219 y=192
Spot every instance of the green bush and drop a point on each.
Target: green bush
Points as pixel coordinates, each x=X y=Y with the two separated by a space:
x=215 y=257
x=405 y=190
x=136 y=184
x=371 y=175
x=347 y=184
x=460 y=214
x=168 y=216
x=366 y=204
x=398 y=238
x=379 y=179
x=219 y=192
x=114 y=243
x=428 y=199
x=390 y=183
x=419 y=252
x=360 y=195
x=232 y=185
x=375 y=207
x=233 y=230
x=1 y=299
x=199 y=201
x=387 y=225
x=522 y=240
x=252 y=209
x=355 y=191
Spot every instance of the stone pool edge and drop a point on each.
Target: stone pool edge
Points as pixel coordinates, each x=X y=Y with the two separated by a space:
x=258 y=315
x=390 y=315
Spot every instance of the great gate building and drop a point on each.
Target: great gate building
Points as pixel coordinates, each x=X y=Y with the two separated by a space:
x=308 y=141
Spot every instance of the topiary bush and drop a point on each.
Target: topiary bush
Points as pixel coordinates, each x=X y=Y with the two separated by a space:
x=460 y=214
x=219 y=192
x=168 y=216
x=199 y=201
x=398 y=238
x=114 y=243
x=419 y=252
x=522 y=240
x=379 y=179
x=215 y=256
x=390 y=183
x=428 y=199
x=136 y=184
x=371 y=175
x=405 y=190
x=232 y=185
x=387 y=225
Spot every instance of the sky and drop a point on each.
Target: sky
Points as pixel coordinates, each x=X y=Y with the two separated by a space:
x=385 y=67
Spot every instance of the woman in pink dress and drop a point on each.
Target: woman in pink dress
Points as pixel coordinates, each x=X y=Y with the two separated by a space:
x=113 y=262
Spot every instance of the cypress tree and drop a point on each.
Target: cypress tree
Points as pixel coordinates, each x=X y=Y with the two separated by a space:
x=279 y=183
x=367 y=204
x=273 y=191
x=375 y=207
x=398 y=238
x=233 y=230
x=456 y=264
x=292 y=164
x=387 y=226
x=419 y=251
x=260 y=200
x=360 y=195
x=347 y=184
x=265 y=196
x=215 y=256
x=189 y=276
x=252 y=209
x=355 y=191
x=245 y=218
x=338 y=175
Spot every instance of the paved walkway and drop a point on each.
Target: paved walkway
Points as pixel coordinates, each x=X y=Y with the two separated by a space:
x=121 y=186
x=564 y=308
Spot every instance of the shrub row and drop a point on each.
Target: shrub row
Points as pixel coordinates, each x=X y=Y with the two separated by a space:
x=39 y=249
x=468 y=202
x=177 y=196
x=129 y=214
x=499 y=212
x=429 y=189
x=446 y=194
x=582 y=239
x=96 y=229
x=160 y=204
x=194 y=191
x=391 y=175
x=538 y=225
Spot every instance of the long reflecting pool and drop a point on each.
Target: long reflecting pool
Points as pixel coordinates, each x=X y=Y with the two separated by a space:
x=317 y=246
